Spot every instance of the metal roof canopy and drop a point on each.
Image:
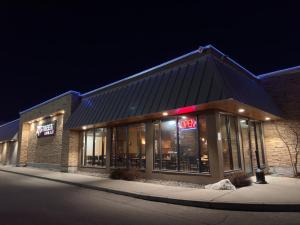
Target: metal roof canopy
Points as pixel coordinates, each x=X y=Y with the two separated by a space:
x=9 y=131
x=200 y=77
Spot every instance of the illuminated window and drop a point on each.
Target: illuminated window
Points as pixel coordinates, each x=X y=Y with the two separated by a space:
x=231 y=148
x=136 y=146
x=180 y=144
x=94 y=147
x=129 y=147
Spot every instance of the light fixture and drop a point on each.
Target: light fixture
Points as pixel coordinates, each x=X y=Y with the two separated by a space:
x=165 y=114
x=171 y=122
x=84 y=128
x=183 y=117
x=241 y=110
x=243 y=121
x=267 y=118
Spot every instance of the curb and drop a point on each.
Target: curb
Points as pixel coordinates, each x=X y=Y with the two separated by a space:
x=256 y=207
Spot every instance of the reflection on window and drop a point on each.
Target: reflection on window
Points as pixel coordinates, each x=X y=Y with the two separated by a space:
x=260 y=144
x=231 y=150
x=136 y=146
x=245 y=144
x=257 y=142
x=235 y=151
x=156 y=146
x=226 y=150
x=128 y=146
x=119 y=143
x=168 y=145
x=179 y=146
x=204 y=167
x=188 y=149
x=100 y=146
x=94 y=147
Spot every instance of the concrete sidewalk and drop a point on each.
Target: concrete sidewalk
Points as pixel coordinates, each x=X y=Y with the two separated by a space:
x=280 y=194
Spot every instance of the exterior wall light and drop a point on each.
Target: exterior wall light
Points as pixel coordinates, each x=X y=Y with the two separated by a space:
x=84 y=128
x=267 y=118
x=241 y=110
x=165 y=114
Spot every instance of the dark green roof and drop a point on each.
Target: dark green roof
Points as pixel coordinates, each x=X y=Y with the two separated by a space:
x=199 y=77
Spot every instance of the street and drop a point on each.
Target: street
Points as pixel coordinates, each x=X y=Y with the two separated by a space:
x=26 y=200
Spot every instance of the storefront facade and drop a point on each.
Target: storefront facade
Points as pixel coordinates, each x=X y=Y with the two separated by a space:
x=43 y=139
x=9 y=143
x=197 y=118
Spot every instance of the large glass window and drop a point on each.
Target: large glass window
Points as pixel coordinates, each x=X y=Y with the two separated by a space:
x=188 y=148
x=231 y=150
x=257 y=142
x=245 y=144
x=128 y=146
x=180 y=144
x=169 y=144
x=94 y=147
x=156 y=146
x=100 y=146
x=204 y=167
x=226 y=150
x=121 y=147
x=260 y=144
x=136 y=146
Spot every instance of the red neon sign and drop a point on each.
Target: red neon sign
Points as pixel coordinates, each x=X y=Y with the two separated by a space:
x=189 y=123
x=185 y=110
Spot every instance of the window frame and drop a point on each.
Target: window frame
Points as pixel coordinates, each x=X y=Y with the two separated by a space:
x=114 y=146
x=198 y=145
x=83 y=161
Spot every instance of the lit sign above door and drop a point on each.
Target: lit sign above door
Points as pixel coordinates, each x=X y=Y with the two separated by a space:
x=45 y=130
x=188 y=123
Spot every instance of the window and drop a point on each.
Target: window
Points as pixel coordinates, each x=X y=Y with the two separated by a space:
x=119 y=155
x=260 y=144
x=257 y=142
x=100 y=146
x=204 y=167
x=156 y=146
x=169 y=144
x=128 y=146
x=136 y=146
x=94 y=147
x=231 y=149
x=188 y=149
x=245 y=145
x=180 y=144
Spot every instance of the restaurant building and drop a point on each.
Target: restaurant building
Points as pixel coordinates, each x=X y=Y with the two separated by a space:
x=197 y=118
x=9 y=143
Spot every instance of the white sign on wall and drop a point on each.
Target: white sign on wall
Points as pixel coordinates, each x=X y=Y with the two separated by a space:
x=45 y=130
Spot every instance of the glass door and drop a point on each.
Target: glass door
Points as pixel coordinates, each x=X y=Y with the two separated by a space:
x=245 y=137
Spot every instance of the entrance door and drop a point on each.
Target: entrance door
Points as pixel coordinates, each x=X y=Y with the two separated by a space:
x=256 y=142
x=246 y=146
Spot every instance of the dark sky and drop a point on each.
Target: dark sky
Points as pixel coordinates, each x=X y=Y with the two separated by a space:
x=48 y=49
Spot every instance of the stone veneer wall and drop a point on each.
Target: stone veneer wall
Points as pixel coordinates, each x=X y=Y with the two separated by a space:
x=277 y=153
x=284 y=89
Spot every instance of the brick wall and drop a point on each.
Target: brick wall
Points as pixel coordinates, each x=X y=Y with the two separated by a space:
x=52 y=151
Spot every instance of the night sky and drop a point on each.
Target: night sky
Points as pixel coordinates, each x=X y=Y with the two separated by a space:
x=48 y=49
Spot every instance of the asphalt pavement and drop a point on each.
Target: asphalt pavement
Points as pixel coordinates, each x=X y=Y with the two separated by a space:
x=27 y=200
